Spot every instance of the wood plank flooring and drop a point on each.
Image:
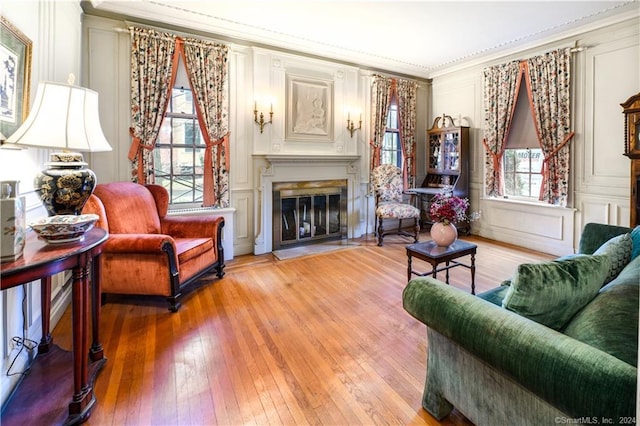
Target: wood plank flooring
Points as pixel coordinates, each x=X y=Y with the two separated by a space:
x=319 y=340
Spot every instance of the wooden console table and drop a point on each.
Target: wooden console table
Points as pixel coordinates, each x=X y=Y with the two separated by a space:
x=42 y=396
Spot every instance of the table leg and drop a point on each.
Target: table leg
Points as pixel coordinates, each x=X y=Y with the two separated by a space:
x=473 y=273
x=45 y=303
x=82 y=394
x=96 y=353
x=446 y=272
x=434 y=270
x=408 y=267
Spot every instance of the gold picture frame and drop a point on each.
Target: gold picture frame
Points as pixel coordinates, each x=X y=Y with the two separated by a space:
x=15 y=76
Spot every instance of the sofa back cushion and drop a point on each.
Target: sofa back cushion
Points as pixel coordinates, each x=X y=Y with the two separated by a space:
x=552 y=292
x=610 y=321
x=130 y=208
x=595 y=234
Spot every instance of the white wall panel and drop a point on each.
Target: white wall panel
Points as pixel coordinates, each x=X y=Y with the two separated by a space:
x=612 y=70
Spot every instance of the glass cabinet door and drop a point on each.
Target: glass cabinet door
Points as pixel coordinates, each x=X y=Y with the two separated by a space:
x=434 y=152
x=451 y=157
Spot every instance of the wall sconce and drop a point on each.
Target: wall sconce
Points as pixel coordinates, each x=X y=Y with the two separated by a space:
x=350 y=126
x=261 y=121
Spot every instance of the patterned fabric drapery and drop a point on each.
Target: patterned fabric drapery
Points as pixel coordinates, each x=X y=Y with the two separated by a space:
x=548 y=80
x=383 y=91
x=407 y=92
x=206 y=64
x=153 y=61
x=501 y=83
x=380 y=101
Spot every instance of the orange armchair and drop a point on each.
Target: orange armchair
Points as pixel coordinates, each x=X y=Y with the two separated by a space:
x=148 y=252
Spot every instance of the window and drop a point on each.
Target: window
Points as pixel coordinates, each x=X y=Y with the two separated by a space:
x=391 y=150
x=522 y=172
x=522 y=161
x=179 y=152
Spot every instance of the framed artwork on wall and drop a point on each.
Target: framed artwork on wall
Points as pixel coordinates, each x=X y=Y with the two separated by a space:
x=15 y=77
x=309 y=109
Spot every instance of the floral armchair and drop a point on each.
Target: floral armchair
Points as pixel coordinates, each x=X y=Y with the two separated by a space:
x=149 y=252
x=388 y=188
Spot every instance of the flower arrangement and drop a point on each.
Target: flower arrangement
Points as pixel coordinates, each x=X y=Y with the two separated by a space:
x=447 y=208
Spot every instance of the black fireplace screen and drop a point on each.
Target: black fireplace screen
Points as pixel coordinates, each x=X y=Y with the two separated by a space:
x=308 y=212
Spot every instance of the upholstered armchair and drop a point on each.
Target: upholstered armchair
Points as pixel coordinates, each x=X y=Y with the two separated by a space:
x=149 y=252
x=388 y=188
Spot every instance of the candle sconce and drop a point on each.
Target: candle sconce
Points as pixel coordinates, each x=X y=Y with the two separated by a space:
x=260 y=122
x=351 y=127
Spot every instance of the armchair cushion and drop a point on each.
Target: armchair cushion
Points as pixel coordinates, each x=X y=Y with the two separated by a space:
x=188 y=248
x=393 y=210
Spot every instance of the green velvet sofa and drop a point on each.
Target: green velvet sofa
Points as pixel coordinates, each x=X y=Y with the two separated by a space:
x=499 y=367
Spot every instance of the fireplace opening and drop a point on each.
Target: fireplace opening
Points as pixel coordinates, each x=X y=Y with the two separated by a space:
x=309 y=212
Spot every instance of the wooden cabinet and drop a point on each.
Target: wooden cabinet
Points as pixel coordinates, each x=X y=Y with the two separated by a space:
x=631 y=111
x=447 y=164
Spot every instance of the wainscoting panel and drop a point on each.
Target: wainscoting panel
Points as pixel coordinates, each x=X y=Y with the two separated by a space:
x=243 y=232
x=544 y=228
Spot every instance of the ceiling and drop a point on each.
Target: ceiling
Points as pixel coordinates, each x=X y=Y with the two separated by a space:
x=416 y=38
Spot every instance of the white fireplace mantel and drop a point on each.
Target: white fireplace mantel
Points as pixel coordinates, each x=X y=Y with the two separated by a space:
x=301 y=168
x=294 y=159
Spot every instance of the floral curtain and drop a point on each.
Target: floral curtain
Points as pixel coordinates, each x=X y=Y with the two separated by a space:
x=407 y=92
x=501 y=83
x=548 y=80
x=153 y=61
x=206 y=64
x=380 y=101
x=383 y=91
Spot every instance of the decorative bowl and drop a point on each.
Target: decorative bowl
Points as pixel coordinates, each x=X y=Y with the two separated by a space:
x=63 y=228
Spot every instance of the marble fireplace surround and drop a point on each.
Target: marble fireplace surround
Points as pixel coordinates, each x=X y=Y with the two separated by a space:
x=301 y=168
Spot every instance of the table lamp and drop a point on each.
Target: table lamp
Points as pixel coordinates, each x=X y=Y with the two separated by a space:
x=64 y=117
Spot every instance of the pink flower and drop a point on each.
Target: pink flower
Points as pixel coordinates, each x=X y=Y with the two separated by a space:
x=447 y=208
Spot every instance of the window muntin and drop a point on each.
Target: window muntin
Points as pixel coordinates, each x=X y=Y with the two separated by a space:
x=391 y=150
x=179 y=152
x=523 y=172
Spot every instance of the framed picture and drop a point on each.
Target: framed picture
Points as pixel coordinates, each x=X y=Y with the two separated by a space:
x=15 y=77
x=309 y=109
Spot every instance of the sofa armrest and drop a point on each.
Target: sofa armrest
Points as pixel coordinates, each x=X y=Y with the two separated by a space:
x=574 y=377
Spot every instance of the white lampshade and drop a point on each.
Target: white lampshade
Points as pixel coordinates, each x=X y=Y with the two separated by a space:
x=64 y=117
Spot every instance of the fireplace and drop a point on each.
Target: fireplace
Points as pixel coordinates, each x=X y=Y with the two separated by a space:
x=309 y=212
x=306 y=176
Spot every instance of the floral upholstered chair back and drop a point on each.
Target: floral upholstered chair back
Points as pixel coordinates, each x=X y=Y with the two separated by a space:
x=387 y=183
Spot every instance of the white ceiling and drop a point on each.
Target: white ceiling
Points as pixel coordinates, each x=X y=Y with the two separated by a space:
x=418 y=38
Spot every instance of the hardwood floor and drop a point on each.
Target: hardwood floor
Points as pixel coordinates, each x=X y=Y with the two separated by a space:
x=316 y=340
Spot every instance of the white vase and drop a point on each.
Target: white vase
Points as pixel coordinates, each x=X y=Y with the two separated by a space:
x=444 y=234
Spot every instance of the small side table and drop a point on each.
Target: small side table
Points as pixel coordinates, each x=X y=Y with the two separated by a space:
x=435 y=255
x=59 y=387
